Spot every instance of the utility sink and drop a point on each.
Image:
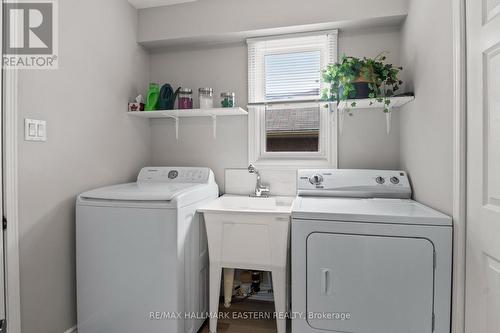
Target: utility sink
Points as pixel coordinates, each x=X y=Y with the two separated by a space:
x=248 y=233
x=247 y=204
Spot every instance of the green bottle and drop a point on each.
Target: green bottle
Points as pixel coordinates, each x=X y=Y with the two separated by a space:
x=153 y=97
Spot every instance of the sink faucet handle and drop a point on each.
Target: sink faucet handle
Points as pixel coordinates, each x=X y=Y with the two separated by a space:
x=261 y=190
x=252 y=168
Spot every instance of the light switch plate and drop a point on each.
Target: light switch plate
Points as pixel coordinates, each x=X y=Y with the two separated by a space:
x=35 y=130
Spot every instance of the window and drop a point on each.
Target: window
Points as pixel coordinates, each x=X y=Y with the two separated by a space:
x=288 y=124
x=292 y=129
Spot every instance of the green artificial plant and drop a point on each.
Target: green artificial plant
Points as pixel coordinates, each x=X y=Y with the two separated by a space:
x=382 y=79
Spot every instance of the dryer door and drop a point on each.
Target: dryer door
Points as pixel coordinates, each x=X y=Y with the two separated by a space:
x=383 y=284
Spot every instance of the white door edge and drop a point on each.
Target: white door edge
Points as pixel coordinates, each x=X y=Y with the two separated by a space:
x=483 y=163
x=459 y=165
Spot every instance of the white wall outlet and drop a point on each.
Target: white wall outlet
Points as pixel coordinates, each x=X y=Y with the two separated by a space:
x=35 y=130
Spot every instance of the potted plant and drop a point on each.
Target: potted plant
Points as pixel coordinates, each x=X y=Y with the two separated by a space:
x=355 y=78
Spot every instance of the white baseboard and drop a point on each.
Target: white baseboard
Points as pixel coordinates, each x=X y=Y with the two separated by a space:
x=72 y=330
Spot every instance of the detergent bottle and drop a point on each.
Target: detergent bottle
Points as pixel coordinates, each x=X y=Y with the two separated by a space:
x=153 y=96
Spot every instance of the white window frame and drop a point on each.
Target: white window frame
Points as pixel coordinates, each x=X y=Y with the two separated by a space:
x=327 y=154
x=325 y=157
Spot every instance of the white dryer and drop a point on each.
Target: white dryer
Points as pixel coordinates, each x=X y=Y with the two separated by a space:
x=366 y=258
x=141 y=253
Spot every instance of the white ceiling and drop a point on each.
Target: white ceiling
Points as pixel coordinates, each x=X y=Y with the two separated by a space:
x=139 y=4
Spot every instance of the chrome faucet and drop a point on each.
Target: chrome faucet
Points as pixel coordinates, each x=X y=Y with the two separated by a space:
x=260 y=189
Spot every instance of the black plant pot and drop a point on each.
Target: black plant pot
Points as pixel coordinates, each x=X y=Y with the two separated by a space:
x=361 y=90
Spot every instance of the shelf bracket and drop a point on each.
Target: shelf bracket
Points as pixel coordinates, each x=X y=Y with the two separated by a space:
x=341 y=115
x=176 y=126
x=214 y=125
x=332 y=111
x=388 y=120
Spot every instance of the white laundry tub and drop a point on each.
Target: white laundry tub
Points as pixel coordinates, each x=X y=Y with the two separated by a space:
x=248 y=233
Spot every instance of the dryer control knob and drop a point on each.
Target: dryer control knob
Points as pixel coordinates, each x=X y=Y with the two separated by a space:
x=380 y=180
x=316 y=179
x=395 y=180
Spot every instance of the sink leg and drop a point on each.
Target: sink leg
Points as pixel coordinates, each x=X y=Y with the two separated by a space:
x=228 y=286
x=215 y=277
x=279 y=289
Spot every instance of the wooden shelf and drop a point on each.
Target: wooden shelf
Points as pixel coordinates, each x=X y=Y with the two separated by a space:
x=365 y=103
x=215 y=112
x=189 y=113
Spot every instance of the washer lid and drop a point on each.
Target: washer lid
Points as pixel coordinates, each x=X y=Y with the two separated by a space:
x=396 y=211
x=140 y=192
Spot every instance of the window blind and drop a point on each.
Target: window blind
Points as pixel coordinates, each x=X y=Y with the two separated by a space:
x=285 y=68
x=289 y=75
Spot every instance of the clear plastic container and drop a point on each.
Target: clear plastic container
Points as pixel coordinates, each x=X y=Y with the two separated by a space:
x=185 y=99
x=206 y=98
x=228 y=99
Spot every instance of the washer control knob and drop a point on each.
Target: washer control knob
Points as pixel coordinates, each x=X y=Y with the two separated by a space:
x=395 y=180
x=380 y=180
x=316 y=179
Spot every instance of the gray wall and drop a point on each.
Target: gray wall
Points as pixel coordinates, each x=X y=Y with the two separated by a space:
x=202 y=20
x=224 y=69
x=427 y=123
x=91 y=142
x=364 y=143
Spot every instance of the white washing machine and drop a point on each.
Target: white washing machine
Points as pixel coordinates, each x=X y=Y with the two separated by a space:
x=141 y=253
x=366 y=258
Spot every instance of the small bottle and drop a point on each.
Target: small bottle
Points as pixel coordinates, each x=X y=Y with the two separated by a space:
x=228 y=99
x=206 y=98
x=185 y=99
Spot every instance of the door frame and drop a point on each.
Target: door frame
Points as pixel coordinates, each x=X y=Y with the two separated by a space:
x=11 y=205
x=459 y=163
x=9 y=132
x=10 y=198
